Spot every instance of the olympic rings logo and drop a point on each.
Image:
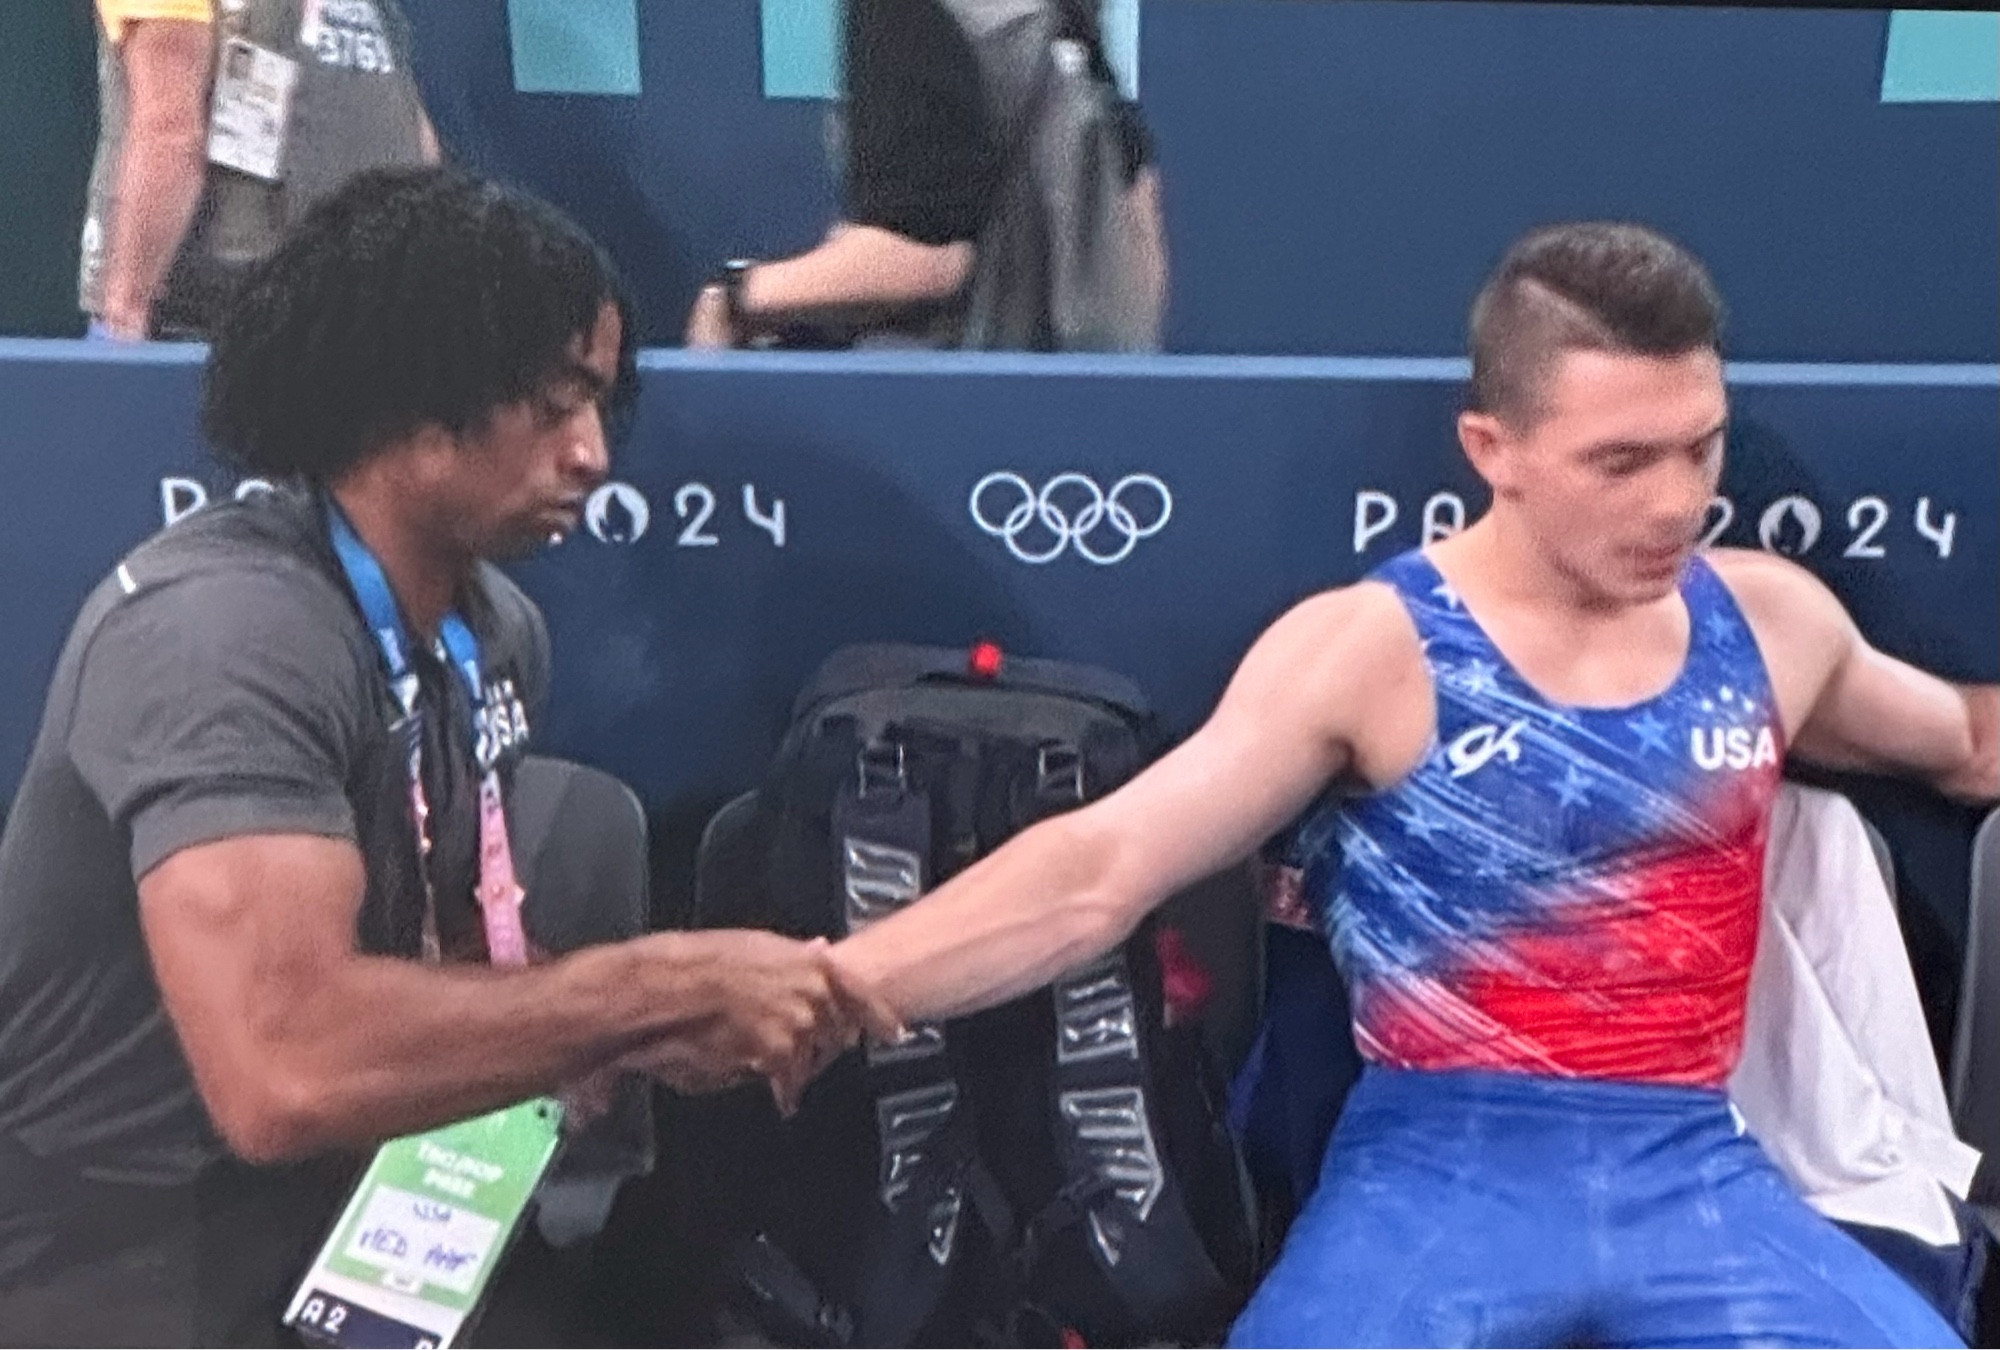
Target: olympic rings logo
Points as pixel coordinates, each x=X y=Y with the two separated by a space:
x=1071 y=511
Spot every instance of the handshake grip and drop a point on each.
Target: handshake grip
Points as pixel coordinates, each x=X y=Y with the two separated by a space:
x=762 y=1006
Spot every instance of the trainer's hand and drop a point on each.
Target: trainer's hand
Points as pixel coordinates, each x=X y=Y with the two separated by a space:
x=759 y=1005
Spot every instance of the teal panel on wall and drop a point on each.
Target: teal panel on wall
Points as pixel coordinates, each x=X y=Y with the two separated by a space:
x=1942 y=57
x=574 y=46
x=801 y=48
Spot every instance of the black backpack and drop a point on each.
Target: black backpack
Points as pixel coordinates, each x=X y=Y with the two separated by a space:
x=1053 y=1171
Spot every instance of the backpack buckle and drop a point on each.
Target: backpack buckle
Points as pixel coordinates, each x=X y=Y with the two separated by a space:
x=1059 y=773
x=879 y=768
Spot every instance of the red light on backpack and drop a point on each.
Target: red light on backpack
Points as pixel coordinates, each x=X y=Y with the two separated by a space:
x=983 y=662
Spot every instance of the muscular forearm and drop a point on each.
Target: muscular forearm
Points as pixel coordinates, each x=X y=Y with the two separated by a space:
x=376 y=1047
x=1043 y=904
x=300 y=1043
x=1062 y=893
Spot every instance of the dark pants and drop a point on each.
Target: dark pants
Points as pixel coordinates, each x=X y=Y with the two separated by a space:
x=214 y=1263
x=88 y=1263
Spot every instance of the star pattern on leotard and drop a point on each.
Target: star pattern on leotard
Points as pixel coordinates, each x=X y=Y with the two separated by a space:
x=1651 y=731
x=1570 y=791
x=1478 y=677
x=1472 y=918
x=1417 y=824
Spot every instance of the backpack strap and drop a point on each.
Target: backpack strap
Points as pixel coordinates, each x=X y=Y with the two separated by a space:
x=881 y=834
x=1117 y=1185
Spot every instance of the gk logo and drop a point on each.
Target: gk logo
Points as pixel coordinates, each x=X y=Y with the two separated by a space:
x=1472 y=750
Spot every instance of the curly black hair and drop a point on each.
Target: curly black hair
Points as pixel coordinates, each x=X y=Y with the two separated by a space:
x=408 y=298
x=1585 y=286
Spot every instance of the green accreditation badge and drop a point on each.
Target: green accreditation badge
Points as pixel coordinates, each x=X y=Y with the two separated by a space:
x=424 y=1231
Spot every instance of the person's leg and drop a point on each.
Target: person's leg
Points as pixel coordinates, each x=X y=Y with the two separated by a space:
x=1443 y=1217
x=1708 y=1245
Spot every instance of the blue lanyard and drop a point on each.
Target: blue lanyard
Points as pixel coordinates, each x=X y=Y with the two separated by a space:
x=385 y=620
x=499 y=892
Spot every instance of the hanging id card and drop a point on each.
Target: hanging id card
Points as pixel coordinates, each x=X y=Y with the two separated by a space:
x=425 y=1229
x=252 y=109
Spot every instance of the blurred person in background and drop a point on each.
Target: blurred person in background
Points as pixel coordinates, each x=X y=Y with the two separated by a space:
x=999 y=193
x=220 y=123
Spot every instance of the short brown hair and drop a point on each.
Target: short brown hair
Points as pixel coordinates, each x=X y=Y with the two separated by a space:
x=1587 y=286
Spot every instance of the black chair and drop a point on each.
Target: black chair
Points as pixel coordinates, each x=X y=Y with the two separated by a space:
x=1975 y=1059
x=580 y=848
x=730 y=858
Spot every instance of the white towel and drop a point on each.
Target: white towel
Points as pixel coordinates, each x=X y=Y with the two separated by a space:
x=1838 y=1080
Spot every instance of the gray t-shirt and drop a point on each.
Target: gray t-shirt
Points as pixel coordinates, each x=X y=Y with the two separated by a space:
x=219 y=683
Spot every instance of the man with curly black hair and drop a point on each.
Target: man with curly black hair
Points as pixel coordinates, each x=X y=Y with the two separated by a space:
x=261 y=791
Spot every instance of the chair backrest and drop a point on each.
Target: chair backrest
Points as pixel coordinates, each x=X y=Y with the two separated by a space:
x=731 y=853
x=1975 y=1056
x=579 y=840
x=580 y=845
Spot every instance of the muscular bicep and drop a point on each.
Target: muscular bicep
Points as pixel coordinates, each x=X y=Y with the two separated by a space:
x=1876 y=714
x=216 y=722
x=242 y=934
x=1845 y=705
x=1293 y=719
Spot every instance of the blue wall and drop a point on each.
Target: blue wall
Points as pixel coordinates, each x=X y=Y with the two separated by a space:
x=1342 y=172
x=679 y=649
